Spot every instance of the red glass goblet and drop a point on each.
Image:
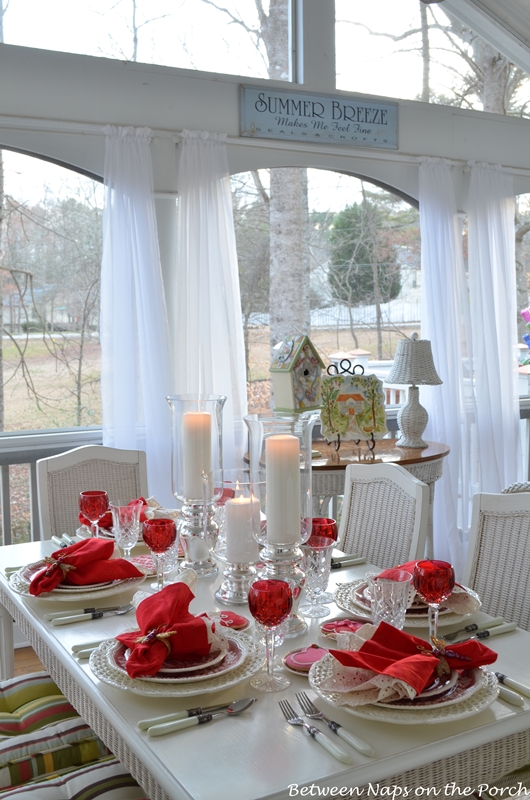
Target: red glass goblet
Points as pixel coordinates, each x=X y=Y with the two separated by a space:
x=159 y=536
x=434 y=581
x=325 y=527
x=94 y=505
x=270 y=603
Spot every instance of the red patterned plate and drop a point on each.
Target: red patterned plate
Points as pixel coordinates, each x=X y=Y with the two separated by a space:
x=234 y=657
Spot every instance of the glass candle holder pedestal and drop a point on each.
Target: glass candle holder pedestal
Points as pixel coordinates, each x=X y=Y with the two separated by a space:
x=196 y=445
x=236 y=583
x=198 y=535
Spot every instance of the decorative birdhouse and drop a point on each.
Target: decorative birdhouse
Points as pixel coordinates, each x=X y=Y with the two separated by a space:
x=296 y=371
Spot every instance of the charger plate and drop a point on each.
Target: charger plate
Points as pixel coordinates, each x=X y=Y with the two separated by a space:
x=346 y=598
x=469 y=705
x=102 y=669
x=19 y=582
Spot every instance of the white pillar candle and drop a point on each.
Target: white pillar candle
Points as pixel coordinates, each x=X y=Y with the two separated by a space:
x=242 y=514
x=196 y=451
x=282 y=461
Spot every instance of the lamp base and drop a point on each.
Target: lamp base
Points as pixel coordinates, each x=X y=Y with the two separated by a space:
x=412 y=420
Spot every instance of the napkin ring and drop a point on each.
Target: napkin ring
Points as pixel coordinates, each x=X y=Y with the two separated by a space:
x=154 y=635
x=57 y=562
x=439 y=651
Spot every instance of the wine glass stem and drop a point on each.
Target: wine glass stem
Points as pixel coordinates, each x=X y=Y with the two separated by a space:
x=159 y=573
x=94 y=530
x=433 y=621
x=269 y=651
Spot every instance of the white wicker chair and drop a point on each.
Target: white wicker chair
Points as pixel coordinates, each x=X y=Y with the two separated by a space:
x=121 y=473
x=384 y=514
x=498 y=559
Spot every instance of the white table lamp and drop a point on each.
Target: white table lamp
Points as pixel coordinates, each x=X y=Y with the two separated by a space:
x=413 y=364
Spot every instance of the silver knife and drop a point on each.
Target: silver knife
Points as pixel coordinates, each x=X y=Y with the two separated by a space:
x=57 y=614
x=506 y=628
x=91 y=615
x=144 y=724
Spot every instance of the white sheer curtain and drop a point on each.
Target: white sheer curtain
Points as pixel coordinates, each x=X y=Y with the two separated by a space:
x=208 y=336
x=445 y=321
x=491 y=211
x=134 y=333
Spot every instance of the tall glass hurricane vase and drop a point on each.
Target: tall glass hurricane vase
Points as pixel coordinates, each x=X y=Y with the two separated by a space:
x=280 y=447
x=197 y=430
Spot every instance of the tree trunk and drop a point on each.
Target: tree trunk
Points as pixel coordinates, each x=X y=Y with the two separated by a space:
x=2 y=395
x=289 y=254
x=521 y=277
x=289 y=218
x=425 y=55
x=496 y=72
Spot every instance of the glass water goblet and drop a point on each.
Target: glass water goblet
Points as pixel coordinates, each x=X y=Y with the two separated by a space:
x=270 y=603
x=316 y=564
x=328 y=528
x=126 y=524
x=94 y=505
x=159 y=536
x=434 y=581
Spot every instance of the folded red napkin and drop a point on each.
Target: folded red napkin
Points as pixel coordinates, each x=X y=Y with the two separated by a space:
x=166 y=628
x=86 y=562
x=106 y=521
x=399 y=655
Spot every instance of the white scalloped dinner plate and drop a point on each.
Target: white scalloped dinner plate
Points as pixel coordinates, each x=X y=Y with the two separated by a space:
x=20 y=584
x=231 y=659
x=485 y=694
x=345 y=598
x=102 y=669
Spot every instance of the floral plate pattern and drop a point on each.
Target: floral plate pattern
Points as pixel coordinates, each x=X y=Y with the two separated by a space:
x=19 y=582
x=233 y=658
x=430 y=714
x=102 y=669
x=346 y=598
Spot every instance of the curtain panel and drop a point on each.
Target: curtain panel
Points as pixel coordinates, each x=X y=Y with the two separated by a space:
x=208 y=335
x=445 y=320
x=492 y=288
x=133 y=325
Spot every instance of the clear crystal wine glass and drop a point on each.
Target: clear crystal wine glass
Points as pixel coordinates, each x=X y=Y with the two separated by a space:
x=316 y=564
x=126 y=524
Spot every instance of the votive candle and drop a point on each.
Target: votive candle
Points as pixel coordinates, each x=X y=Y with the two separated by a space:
x=242 y=515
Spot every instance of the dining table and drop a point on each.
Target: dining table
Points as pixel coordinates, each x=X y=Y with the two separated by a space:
x=258 y=755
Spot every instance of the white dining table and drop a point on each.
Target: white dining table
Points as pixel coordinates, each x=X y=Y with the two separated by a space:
x=257 y=755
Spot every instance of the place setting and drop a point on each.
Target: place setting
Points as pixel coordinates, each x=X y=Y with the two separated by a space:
x=378 y=671
x=174 y=653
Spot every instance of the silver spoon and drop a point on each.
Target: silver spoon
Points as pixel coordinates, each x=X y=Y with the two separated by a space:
x=170 y=727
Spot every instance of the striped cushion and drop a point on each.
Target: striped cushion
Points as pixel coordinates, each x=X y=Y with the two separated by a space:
x=105 y=780
x=60 y=747
x=30 y=702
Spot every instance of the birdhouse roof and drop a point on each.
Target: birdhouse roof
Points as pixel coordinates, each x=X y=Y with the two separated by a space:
x=287 y=355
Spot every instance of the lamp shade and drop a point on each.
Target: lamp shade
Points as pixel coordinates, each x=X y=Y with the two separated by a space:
x=413 y=363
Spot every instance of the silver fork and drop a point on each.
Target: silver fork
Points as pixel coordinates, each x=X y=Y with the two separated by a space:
x=293 y=719
x=310 y=710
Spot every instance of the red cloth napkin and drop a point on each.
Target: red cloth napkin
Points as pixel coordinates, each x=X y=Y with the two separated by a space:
x=82 y=563
x=400 y=655
x=106 y=521
x=166 y=629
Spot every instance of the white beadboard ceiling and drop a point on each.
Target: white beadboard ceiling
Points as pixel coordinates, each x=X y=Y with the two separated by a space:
x=503 y=23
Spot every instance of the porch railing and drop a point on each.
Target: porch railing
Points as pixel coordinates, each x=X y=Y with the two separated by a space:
x=27 y=447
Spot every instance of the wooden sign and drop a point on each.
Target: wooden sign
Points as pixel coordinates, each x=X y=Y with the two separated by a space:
x=333 y=119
